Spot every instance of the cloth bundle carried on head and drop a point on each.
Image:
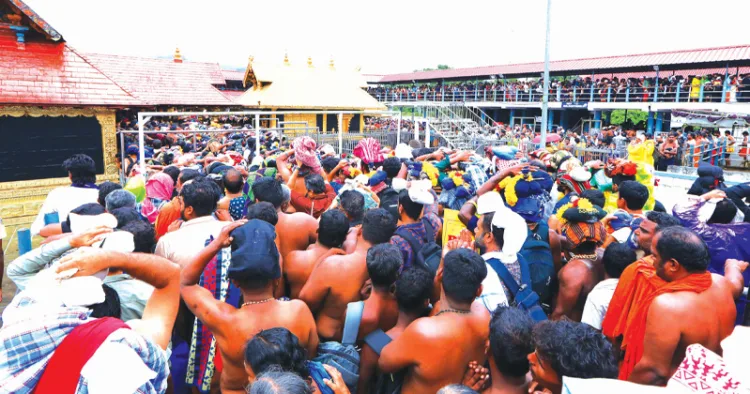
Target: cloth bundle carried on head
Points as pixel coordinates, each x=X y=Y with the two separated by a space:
x=304 y=151
x=368 y=149
x=419 y=192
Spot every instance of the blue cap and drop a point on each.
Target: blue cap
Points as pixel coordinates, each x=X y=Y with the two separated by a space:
x=254 y=252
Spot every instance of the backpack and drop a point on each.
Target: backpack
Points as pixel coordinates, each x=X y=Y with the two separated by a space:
x=427 y=253
x=524 y=296
x=386 y=383
x=344 y=356
x=389 y=201
x=537 y=252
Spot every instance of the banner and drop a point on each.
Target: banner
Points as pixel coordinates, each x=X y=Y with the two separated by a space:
x=451 y=225
x=575 y=105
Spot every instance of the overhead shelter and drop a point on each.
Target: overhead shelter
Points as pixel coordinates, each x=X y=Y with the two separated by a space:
x=729 y=57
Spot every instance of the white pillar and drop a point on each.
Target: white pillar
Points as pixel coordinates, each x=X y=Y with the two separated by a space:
x=416 y=130
x=257 y=134
x=141 y=147
x=398 y=129
x=427 y=133
x=341 y=133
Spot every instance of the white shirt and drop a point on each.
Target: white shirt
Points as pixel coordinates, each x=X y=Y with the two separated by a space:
x=63 y=200
x=493 y=293
x=598 y=302
x=182 y=245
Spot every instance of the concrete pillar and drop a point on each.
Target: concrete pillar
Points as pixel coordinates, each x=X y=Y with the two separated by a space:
x=564 y=119
x=598 y=117
x=550 y=120
x=650 y=123
x=659 y=120
x=512 y=115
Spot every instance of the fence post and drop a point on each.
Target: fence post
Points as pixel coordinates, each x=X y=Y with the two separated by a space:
x=558 y=93
x=442 y=94
x=516 y=94
x=427 y=133
x=677 y=94
x=494 y=95
x=398 y=129
x=257 y=134
x=627 y=94
x=341 y=133
x=591 y=93
x=609 y=94
x=574 y=94
x=700 y=93
x=485 y=95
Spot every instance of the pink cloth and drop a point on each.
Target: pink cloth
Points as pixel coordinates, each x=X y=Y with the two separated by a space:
x=158 y=190
x=304 y=151
x=368 y=149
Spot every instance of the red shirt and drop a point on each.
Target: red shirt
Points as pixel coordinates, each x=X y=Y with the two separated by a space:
x=314 y=206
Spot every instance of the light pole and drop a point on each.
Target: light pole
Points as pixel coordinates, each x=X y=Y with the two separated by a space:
x=545 y=85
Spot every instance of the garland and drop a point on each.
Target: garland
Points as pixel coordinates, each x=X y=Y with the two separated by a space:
x=508 y=185
x=581 y=204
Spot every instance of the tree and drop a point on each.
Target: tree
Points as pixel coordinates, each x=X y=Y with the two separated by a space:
x=635 y=117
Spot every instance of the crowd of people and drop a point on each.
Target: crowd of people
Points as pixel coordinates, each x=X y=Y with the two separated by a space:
x=693 y=88
x=402 y=269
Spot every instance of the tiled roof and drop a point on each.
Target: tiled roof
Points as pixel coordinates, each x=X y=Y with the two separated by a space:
x=162 y=81
x=52 y=73
x=233 y=75
x=600 y=64
x=664 y=74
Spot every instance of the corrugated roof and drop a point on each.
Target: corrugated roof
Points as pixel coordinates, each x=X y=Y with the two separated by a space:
x=305 y=87
x=694 y=56
x=162 y=81
x=52 y=73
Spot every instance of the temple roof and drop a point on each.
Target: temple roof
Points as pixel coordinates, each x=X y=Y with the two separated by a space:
x=305 y=86
x=52 y=73
x=163 y=81
x=34 y=20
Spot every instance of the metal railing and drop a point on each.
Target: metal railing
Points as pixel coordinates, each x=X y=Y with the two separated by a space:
x=680 y=93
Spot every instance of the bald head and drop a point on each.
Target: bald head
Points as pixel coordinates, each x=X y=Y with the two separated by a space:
x=233 y=181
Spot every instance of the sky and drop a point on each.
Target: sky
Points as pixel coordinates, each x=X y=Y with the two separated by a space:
x=390 y=36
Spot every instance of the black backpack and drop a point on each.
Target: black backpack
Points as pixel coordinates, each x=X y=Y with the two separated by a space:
x=426 y=253
x=523 y=295
x=538 y=254
x=386 y=383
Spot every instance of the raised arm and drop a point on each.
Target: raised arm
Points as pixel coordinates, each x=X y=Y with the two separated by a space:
x=293 y=179
x=401 y=352
x=733 y=270
x=282 y=166
x=161 y=309
x=198 y=299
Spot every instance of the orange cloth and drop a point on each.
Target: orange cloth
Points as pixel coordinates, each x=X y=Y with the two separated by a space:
x=168 y=214
x=626 y=316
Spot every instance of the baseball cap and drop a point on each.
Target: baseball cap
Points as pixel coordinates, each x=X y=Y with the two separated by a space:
x=254 y=252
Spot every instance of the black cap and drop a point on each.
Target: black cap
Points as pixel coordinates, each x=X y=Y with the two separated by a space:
x=254 y=252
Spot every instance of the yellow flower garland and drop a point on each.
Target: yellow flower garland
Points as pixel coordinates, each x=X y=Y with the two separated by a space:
x=508 y=185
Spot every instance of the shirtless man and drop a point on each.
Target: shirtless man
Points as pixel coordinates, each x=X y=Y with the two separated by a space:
x=510 y=343
x=332 y=232
x=255 y=271
x=583 y=271
x=704 y=314
x=436 y=350
x=296 y=231
x=413 y=290
x=337 y=280
x=381 y=310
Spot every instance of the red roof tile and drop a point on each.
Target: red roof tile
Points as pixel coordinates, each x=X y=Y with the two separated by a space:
x=600 y=64
x=162 y=81
x=233 y=75
x=52 y=73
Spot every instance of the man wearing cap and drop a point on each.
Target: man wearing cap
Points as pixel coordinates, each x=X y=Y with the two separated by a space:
x=585 y=233
x=255 y=270
x=411 y=221
x=337 y=280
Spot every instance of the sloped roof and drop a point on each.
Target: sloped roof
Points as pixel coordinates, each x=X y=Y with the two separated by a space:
x=233 y=75
x=162 y=81
x=600 y=64
x=305 y=87
x=52 y=73
x=36 y=21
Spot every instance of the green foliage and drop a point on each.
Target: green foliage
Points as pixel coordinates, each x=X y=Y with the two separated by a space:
x=439 y=67
x=634 y=117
